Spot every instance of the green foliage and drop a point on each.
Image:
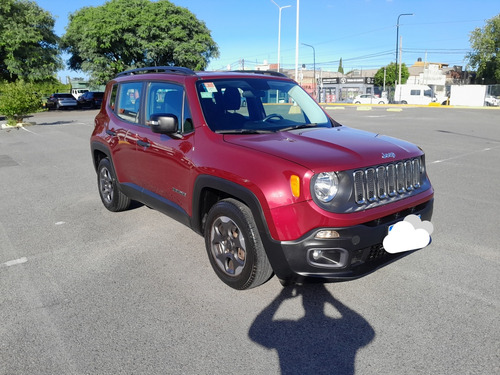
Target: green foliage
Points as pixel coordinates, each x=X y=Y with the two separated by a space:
x=391 y=75
x=124 y=34
x=28 y=44
x=485 y=57
x=49 y=87
x=19 y=99
x=341 y=68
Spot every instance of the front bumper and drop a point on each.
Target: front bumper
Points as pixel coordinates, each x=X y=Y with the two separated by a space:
x=357 y=252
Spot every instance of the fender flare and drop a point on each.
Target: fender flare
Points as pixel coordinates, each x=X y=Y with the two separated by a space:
x=273 y=248
x=98 y=146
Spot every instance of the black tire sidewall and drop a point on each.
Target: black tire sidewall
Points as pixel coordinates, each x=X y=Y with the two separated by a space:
x=115 y=204
x=251 y=275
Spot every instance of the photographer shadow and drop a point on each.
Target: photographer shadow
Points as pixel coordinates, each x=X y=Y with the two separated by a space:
x=315 y=343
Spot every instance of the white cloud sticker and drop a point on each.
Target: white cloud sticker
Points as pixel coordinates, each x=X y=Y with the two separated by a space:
x=409 y=234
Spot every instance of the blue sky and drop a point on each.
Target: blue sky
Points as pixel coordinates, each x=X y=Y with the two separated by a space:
x=361 y=32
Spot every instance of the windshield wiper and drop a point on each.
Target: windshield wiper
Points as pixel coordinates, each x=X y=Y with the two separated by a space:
x=244 y=131
x=303 y=126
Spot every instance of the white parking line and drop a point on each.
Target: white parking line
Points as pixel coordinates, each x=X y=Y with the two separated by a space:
x=463 y=155
x=15 y=262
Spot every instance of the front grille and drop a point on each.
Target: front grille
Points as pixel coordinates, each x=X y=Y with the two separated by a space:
x=396 y=179
x=368 y=255
x=376 y=252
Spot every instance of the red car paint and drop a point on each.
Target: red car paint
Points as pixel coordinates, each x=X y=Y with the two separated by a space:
x=166 y=169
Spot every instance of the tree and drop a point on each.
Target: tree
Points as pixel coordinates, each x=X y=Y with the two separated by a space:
x=18 y=99
x=123 y=34
x=485 y=56
x=341 y=68
x=391 y=75
x=28 y=44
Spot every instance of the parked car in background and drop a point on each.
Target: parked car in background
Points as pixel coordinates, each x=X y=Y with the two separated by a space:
x=58 y=101
x=90 y=99
x=77 y=92
x=369 y=99
x=418 y=94
x=491 y=101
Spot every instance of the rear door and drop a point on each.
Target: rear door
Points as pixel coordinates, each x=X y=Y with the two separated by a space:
x=124 y=105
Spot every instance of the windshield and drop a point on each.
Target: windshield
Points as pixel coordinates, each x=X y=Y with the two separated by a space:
x=258 y=105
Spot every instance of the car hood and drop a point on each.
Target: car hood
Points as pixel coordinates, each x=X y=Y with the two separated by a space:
x=326 y=149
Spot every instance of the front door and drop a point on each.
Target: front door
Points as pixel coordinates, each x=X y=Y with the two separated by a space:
x=166 y=166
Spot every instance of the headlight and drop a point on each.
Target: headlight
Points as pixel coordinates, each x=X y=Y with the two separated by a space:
x=326 y=186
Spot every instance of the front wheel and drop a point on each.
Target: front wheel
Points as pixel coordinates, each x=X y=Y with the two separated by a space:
x=111 y=196
x=234 y=246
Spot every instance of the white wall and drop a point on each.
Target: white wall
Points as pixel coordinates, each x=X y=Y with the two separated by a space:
x=470 y=95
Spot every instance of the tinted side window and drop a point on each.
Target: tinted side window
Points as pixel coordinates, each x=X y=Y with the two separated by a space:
x=169 y=99
x=415 y=92
x=129 y=101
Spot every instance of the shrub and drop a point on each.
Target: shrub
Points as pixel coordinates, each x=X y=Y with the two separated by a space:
x=18 y=100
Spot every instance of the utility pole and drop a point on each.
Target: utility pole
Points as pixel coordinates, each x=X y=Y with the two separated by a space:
x=397 y=42
x=297 y=44
x=385 y=73
x=279 y=30
x=314 y=64
x=400 y=54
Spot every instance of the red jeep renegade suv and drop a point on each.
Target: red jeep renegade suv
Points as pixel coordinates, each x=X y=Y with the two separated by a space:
x=252 y=163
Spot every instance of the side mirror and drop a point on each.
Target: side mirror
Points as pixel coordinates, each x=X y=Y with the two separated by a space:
x=164 y=123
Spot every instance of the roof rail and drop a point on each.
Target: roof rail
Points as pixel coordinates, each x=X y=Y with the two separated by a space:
x=158 y=69
x=266 y=72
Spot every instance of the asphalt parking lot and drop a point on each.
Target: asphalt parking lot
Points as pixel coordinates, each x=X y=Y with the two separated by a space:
x=87 y=291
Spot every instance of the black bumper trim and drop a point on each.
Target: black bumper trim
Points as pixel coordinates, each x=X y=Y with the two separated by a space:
x=362 y=242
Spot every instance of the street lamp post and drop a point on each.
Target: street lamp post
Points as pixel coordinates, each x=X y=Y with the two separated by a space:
x=297 y=43
x=314 y=64
x=397 y=42
x=279 y=30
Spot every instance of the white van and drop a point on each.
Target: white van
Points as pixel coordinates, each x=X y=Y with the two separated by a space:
x=414 y=94
x=78 y=92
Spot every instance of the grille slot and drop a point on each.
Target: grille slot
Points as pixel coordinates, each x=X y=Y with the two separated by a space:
x=378 y=183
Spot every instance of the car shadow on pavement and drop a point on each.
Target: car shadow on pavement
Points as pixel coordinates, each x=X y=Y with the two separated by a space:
x=315 y=343
x=56 y=122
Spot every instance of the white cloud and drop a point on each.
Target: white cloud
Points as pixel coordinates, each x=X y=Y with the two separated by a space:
x=409 y=234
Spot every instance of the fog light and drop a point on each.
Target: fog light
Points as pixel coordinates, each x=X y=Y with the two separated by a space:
x=326 y=234
x=327 y=258
x=316 y=254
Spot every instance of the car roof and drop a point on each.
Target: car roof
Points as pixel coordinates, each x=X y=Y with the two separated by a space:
x=161 y=71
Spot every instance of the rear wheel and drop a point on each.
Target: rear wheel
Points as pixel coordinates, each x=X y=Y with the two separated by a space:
x=234 y=246
x=111 y=196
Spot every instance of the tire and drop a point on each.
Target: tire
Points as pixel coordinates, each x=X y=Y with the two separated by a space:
x=357 y=102
x=404 y=102
x=234 y=246
x=381 y=102
x=111 y=196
